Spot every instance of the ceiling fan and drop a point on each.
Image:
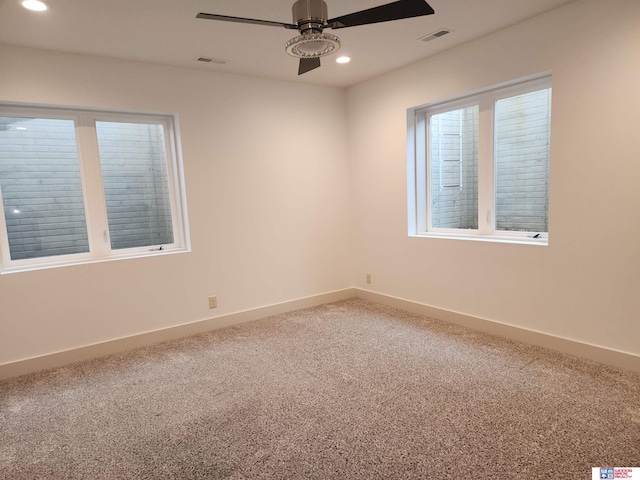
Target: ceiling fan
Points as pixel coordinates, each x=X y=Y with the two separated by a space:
x=310 y=17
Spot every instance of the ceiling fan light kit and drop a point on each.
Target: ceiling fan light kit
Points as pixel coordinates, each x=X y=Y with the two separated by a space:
x=312 y=45
x=310 y=17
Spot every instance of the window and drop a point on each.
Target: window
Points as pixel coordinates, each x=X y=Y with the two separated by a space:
x=79 y=186
x=479 y=165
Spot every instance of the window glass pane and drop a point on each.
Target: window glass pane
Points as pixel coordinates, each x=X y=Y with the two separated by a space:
x=453 y=139
x=523 y=128
x=133 y=160
x=41 y=188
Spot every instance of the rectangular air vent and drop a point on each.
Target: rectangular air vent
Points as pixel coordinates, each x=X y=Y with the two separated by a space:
x=218 y=61
x=432 y=36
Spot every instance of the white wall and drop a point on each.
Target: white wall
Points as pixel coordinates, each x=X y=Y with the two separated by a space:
x=585 y=285
x=269 y=216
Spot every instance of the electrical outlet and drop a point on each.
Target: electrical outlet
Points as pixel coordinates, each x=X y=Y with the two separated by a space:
x=368 y=278
x=213 y=302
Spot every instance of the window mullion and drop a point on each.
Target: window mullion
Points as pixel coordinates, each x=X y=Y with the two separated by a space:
x=486 y=175
x=422 y=174
x=174 y=177
x=95 y=205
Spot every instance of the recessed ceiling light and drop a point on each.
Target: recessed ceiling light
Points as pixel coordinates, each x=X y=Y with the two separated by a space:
x=21 y=128
x=343 y=59
x=35 y=5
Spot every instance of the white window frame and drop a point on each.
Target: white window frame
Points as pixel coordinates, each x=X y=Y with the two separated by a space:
x=419 y=173
x=93 y=192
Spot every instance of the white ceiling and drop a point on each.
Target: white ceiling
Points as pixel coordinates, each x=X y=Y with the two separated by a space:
x=167 y=32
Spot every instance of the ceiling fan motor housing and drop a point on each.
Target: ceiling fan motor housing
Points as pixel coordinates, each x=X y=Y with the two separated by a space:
x=310 y=15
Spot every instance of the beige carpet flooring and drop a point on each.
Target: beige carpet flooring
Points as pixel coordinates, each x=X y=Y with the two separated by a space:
x=349 y=390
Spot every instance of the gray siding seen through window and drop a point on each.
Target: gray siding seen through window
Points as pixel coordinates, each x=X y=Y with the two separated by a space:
x=523 y=131
x=454 y=169
x=134 y=174
x=41 y=188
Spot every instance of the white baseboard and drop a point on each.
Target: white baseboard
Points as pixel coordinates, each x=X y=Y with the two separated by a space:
x=58 y=359
x=624 y=360
x=615 y=358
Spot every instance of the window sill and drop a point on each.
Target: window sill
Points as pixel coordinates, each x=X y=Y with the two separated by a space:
x=500 y=238
x=71 y=260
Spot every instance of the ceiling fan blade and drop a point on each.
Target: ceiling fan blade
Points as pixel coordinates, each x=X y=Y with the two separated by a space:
x=308 y=64
x=212 y=16
x=384 y=13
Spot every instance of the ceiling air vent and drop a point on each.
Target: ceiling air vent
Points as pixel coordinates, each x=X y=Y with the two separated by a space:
x=432 y=36
x=218 y=61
